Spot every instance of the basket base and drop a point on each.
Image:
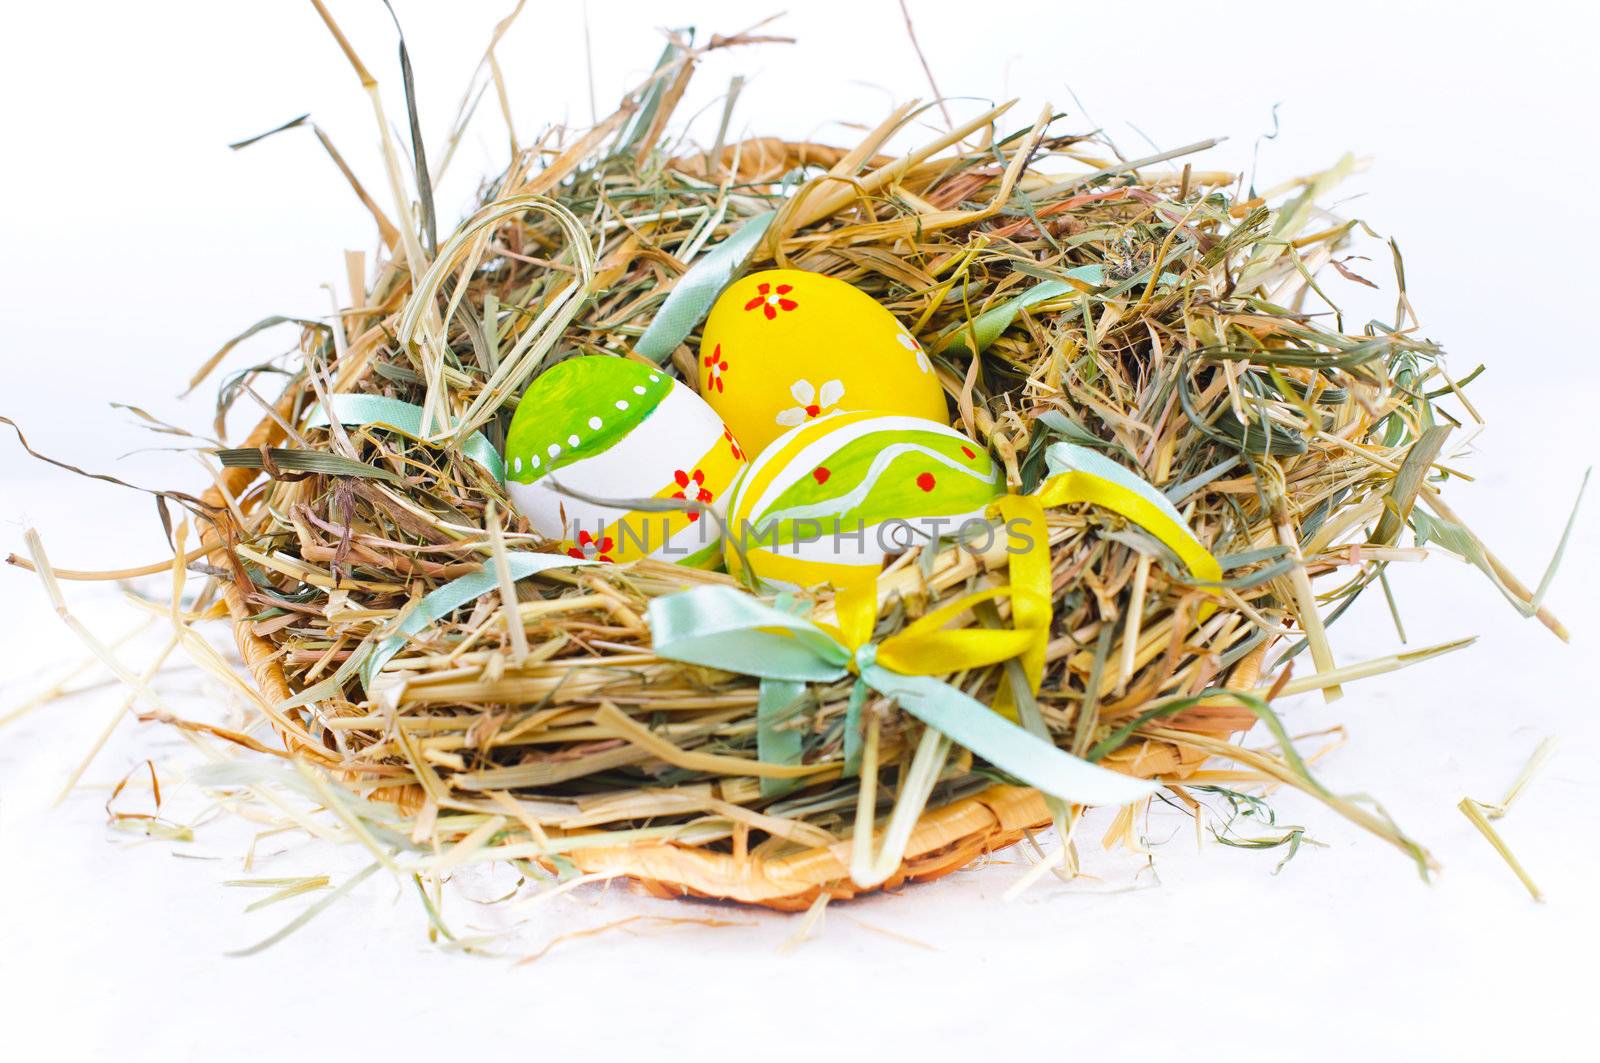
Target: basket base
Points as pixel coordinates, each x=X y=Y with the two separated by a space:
x=945 y=839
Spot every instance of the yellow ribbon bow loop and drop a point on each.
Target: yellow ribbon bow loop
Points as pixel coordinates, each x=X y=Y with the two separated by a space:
x=1032 y=604
x=1079 y=474
x=855 y=608
x=1076 y=486
x=927 y=647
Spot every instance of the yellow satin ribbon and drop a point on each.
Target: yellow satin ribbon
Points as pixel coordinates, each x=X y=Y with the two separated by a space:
x=1067 y=487
x=924 y=648
x=855 y=607
x=1031 y=610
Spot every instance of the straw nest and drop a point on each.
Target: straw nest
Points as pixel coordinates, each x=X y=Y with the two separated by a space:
x=543 y=730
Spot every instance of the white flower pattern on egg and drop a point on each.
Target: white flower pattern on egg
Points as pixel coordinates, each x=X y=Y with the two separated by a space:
x=813 y=404
x=909 y=342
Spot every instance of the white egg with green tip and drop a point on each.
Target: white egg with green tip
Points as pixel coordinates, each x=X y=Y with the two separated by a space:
x=598 y=443
x=829 y=500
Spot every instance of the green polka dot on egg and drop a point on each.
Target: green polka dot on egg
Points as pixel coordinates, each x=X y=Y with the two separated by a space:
x=577 y=409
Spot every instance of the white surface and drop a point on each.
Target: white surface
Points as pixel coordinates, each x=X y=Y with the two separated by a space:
x=135 y=242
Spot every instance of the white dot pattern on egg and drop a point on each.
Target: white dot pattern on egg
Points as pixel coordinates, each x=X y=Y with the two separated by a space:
x=664 y=444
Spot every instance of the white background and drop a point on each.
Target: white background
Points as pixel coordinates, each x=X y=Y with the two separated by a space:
x=132 y=242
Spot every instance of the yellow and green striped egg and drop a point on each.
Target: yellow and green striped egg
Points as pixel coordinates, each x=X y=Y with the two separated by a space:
x=832 y=498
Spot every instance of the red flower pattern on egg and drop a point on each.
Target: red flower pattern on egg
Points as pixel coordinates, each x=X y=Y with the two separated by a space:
x=770 y=300
x=590 y=548
x=716 y=365
x=695 y=482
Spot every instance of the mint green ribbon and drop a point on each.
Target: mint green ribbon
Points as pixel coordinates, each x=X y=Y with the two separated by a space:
x=691 y=298
x=720 y=627
x=991 y=324
x=988 y=326
x=443 y=601
x=406 y=419
x=778 y=742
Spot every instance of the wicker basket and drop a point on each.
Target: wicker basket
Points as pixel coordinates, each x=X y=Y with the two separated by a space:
x=1139 y=311
x=945 y=839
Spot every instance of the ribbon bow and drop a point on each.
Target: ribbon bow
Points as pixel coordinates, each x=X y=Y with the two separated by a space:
x=1078 y=474
x=724 y=628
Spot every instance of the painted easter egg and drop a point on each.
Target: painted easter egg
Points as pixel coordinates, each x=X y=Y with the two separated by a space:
x=783 y=347
x=614 y=429
x=833 y=497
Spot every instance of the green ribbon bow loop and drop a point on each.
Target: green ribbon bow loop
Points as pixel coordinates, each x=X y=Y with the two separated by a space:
x=692 y=297
x=720 y=627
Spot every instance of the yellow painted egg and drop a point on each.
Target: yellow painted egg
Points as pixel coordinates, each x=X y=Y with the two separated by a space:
x=615 y=430
x=828 y=500
x=783 y=347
